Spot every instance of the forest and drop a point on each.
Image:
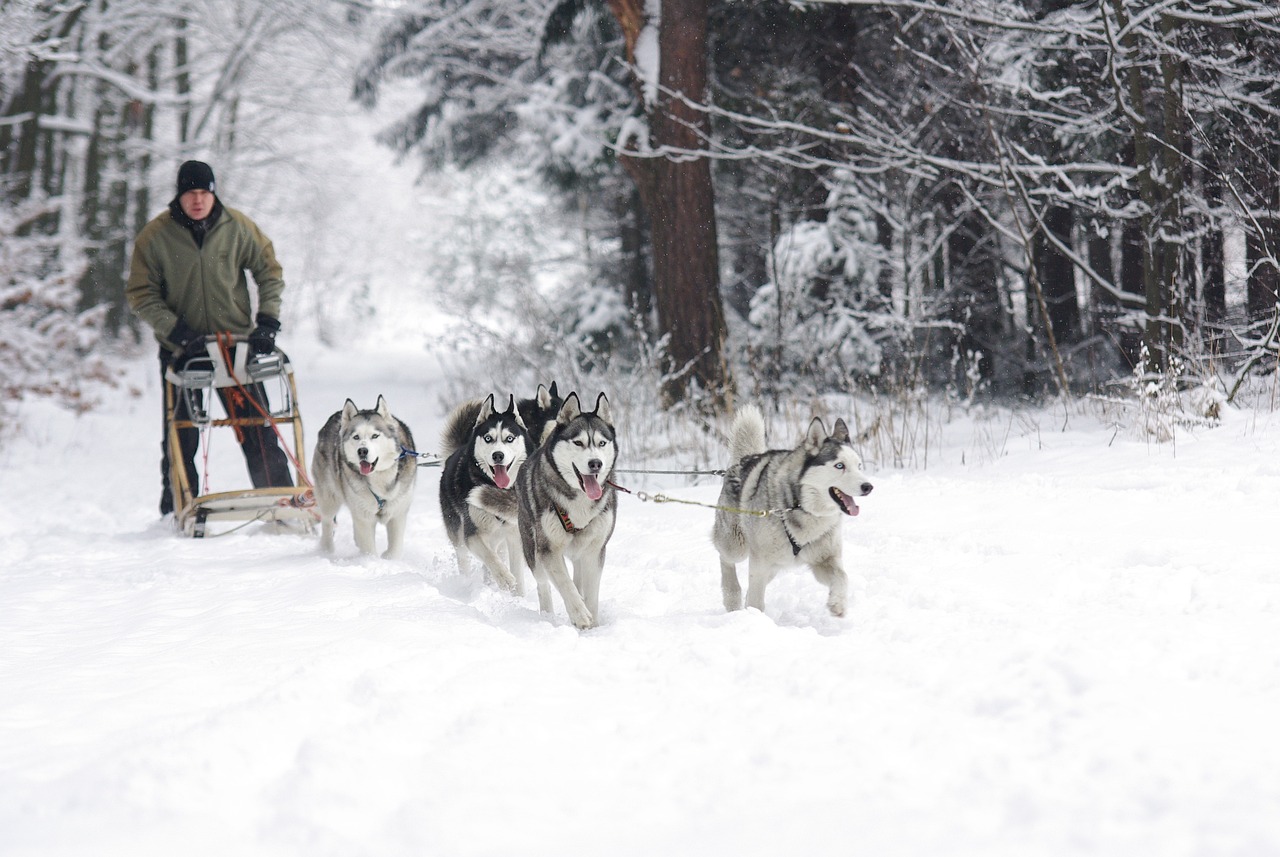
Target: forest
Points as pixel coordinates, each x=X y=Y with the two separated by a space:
x=1006 y=199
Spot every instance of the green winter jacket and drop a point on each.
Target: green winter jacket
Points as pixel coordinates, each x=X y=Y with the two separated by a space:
x=170 y=277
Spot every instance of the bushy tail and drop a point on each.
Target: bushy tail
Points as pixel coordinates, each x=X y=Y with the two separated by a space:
x=747 y=435
x=458 y=426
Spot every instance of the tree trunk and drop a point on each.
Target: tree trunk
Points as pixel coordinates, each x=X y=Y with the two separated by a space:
x=676 y=192
x=1262 y=291
x=974 y=297
x=1058 y=278
x=637 y=284
x=182 y=80
x=1104 y=305
x=1132 y=102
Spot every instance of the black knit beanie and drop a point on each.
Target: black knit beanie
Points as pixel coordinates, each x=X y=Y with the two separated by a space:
x=195 y=175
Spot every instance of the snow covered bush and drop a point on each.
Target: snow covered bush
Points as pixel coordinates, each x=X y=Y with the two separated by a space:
x=823 y=318
x=46 y=344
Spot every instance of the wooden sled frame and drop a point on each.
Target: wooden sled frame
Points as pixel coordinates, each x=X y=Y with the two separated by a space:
x=193 y=513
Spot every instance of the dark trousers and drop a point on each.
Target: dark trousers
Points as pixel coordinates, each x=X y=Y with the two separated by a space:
x=268 y=465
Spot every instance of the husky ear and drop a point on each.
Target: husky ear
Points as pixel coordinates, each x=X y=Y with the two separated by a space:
x=545 y=396
x=569 y=411
x=515 y=412
x=815 y=436
x=840 y=434
x=382 y=409
x=349 y=410
x=486 y=410
x=602 y=408
x=553 y=392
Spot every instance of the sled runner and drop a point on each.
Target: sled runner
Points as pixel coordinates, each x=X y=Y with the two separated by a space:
x=230 y=372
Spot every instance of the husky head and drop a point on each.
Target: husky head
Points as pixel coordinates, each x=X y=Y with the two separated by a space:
x=370 y=439
x=832 y=474
x=499 y=442
x=539 y=413
x=584 y=445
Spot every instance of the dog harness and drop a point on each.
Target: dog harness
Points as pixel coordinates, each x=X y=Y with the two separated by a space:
x=564 y=520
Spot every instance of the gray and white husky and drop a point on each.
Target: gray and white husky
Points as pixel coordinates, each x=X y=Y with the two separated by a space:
x=566 y=507
x=485 y=447
x=808 y=491
x=364 y=460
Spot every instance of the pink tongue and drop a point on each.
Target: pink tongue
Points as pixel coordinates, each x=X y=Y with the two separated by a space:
x=500 y=477
x=366 y=467
x=592 y=487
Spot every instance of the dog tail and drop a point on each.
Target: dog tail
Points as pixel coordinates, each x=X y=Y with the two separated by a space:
x=458 y=426
x=746 y=437
x=497 y=502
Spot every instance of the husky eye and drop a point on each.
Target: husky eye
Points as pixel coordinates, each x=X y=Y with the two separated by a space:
x=602 y=443
x=374 y=436
x=579 y=444
x=488 y=438
x=509 y=439
x=839 y=465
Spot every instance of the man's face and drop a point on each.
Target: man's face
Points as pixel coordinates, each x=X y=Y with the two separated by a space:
x=196 y=204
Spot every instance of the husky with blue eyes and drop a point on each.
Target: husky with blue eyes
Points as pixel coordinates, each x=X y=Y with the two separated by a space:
x=803 y=495
x=485 y=448
x=565 y=506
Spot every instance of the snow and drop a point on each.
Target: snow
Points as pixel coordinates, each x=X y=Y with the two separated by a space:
x=1067 y=645
x=1062 y=639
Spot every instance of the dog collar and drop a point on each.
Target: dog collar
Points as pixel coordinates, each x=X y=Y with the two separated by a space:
x=565 y=521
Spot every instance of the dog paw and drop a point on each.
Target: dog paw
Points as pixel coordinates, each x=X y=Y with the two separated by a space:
x=583 y=622
x=733 y=602
x=836 y=607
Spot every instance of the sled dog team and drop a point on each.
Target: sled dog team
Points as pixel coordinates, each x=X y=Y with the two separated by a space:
x=531 y=485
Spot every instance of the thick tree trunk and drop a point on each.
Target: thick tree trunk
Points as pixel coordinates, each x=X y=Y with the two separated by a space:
x=676 y=192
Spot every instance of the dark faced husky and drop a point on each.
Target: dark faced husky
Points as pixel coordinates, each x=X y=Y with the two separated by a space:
x=540 y=412
x=485 y=448
x=565 y=507
x=364 y=461
x=808 y=490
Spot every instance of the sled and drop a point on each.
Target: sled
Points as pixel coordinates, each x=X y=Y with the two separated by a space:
x=230 y=362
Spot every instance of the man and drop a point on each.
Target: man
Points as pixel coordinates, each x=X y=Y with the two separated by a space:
x=187 y=280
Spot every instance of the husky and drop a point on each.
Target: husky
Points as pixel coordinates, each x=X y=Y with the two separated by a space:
x=540 y=412
x=565 y=508
x=807 y=492
x=364 y=460
x=485 y=447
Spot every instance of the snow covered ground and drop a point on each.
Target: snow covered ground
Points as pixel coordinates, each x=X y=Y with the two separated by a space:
x=1070 y=648
x=1059 y=642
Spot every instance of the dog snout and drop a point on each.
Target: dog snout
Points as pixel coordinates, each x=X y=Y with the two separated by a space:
x=866 y=488
x=498 y=456
x=363 y=452
x=594 y=465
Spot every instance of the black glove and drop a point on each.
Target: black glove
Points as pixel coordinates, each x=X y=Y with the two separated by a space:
x=263 y=338
x=190 y=344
